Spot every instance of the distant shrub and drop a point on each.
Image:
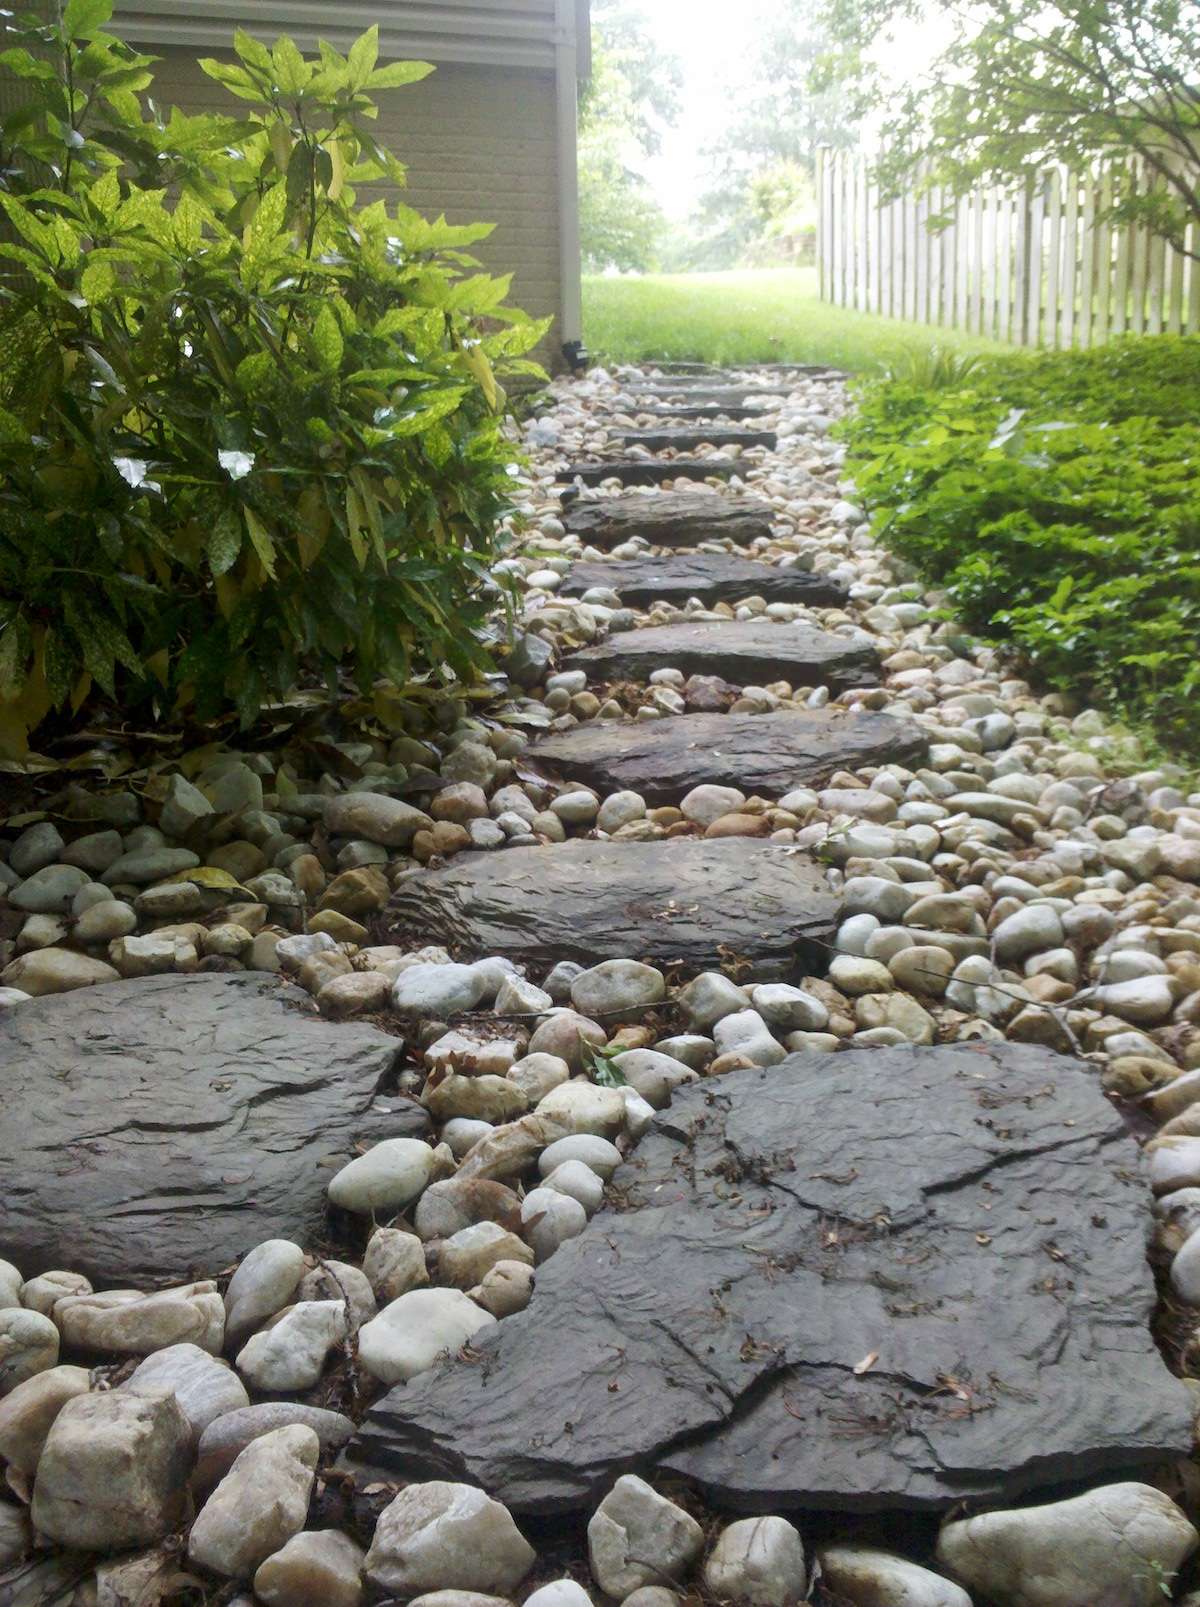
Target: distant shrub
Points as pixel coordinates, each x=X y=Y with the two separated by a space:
x=251 y=425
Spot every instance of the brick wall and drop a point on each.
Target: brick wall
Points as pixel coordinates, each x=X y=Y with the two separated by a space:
x=480 y=144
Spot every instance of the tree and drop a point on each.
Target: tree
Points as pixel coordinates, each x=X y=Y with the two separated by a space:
x=632 y=96
x=1025 y=82
x=764 y=156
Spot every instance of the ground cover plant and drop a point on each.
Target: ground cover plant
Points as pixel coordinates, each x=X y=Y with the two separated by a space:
x=748 y=316
x=1057 y=499
x=250 y=424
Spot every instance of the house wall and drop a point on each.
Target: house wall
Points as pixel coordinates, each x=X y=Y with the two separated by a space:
x=480 y=144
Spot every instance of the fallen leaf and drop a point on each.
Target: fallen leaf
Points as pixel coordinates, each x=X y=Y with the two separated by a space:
x=866 y=1364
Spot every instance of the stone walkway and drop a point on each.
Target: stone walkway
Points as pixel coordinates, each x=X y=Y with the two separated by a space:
x=754 y=843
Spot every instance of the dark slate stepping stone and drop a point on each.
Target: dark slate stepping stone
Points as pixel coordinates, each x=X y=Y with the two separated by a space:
x=162 y=1127
x=966 y=1225
x=675 y=519
x=717 y=396
x=711 y=576
x=748 y=653
x=706 y=410
x=684 y=902
x=649 y=471
x=763 y=753
x=683 y=439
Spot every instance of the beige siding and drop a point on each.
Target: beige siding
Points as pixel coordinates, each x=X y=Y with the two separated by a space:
x=480 y=145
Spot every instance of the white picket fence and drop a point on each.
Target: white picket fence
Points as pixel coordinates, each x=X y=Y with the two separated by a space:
x=1037 y=268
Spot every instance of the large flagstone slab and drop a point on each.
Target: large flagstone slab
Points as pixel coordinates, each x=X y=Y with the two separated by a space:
x=675 y=519
x=747 y=653
x=768 y=754
x=683 y=902
x=893 y=1278
x=155 y=1129
x=713 y=577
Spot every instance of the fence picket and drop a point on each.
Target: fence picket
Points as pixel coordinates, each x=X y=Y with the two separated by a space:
x=1041 y=266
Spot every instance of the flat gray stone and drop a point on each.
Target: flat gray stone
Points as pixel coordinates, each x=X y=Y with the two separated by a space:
x=709 y=410
x=713 y=577
x=648 y=471
x=887 y=1278
x=765 y=753
x=711 y=395
x=685 y=902
x=749 y=653
x=676 y=519
x=157 y=1128
x=683 y=438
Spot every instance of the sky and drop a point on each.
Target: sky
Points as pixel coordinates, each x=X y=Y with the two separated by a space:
x=711 y=38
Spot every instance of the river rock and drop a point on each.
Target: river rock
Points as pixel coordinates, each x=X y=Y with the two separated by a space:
x=389 y=1176
x=441 y=1536
x=758 y=1562
x=204 y=1387
x=676 y=519
x=863 y=1576
x=770 y=754
x=749 y=652
x=28 y=1345
x=687 y=438
x=637 y=1537
x=592 y=901
x=290 y=1355
x=28 y=1412
x=262 y=1285
x=49 y=971
x=904 y=1148
x=258 y=1506
x=409 y=1335
x=125 y=1322
x=113 y=1472
x=1128 y=1538
x=713 y=577
x=318 y=1565
x=227 y=1436
x=185 y=1118
x=375 y=817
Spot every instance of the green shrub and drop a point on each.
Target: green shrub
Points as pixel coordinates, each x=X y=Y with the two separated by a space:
x=1058 y=500
x=250 y=423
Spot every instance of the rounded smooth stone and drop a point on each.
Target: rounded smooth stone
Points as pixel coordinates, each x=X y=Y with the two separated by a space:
x=28 y=1412
x=506 y=1288
x=317 y=1565
x=707 y=803
x=788 y=1009
x=441 y=1536
x=29 y=1344
x=922 y=969
x=394 y=1263
x=105 y=921
x=566 y=1034
x=262 y=1285
x=616 y=985
x=758 y=1562
x=291 y=1354
x=708 y=998
x=409 y=1335
x=746 y=1033
x=439 y=991
x=578 y=808
x=550 y=1219
x=11 y=1284
x=56 y=970
x=578 y=1181
x=582 y=1107
x=559 y=1593
x=620 y=809
x=598 y=1154
x=1027 y=931
x=205 y=1387
x=387 y=1178
x=49 y=891
x=863 y=1576
x=853 y=975
x=259 y=1505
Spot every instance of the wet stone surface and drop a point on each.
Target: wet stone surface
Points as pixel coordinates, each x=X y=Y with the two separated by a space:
x=763 y=753
x=675 y=519
x=590 y=901
x=171 y=1123
x=712 y=577
x=750 y=652
x=891 y=1278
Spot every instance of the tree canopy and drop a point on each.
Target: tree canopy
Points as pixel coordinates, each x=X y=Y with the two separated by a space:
x=1021 y=83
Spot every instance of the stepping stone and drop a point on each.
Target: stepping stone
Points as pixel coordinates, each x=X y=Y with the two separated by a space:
x=649 y=471
x=891 y=1278
x=683 y=439
x=158 y=1128
x=674 y=519
x=760 y=753
x=749 y=653
x=713 y=577
x=717 y=396
x=706 y=410
x=688 y=902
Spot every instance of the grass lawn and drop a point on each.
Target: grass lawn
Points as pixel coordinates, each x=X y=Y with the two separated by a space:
x=766 y=315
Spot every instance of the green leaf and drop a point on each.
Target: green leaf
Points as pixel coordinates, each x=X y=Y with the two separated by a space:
x=292 y=72
x=260 y=539
x=398 y=74
x=364 y=53
x=82 y=17
x=327 y=342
